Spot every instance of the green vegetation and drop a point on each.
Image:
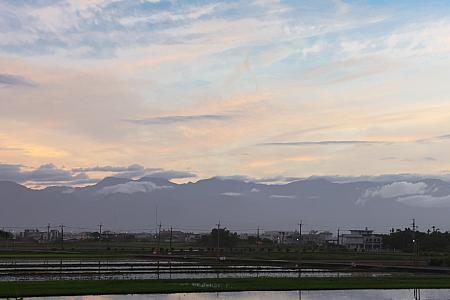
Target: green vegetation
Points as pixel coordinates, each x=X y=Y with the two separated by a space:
x=433 y=240
x=92 y=287
x=5 y=235
x=253 y=256
x=226 y=238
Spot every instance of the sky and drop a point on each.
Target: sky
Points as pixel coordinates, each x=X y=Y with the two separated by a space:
x=192 y=89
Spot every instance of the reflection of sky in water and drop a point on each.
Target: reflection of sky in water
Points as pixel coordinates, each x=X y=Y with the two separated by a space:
x=304 y=295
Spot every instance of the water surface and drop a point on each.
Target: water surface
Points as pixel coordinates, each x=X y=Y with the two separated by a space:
x=406 y=294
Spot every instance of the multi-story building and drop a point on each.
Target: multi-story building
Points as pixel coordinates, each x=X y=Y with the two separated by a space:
x=318 y=238
x=32 y=234
x=361 y=240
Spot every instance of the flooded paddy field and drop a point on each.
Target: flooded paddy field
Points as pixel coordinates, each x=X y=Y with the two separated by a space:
x=18 y=270
x=401 y=294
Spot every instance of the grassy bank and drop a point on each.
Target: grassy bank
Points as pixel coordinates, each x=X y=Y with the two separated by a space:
x=92 y=287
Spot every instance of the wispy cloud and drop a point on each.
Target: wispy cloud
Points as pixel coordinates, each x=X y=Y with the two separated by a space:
x=231 y=194
x=114 y=169
x=443 y=137
x=10 y=149
x=15 y=80
x=282 y=196
x=325 y=143
x=137 y=171
x=131 y=188
x=429 y=158
x=195 y=79
x=171 y=174
x=49 y=174
x=393 y=190
x=178 y=119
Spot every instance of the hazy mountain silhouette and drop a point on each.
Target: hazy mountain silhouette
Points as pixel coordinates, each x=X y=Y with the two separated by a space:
x=130 y=204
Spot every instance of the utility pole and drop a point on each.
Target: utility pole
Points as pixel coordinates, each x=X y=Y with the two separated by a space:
x=300 y=234
x=48 y=233
x=171 y=239
x=257 y=239
x=62 y=236
x=100 y=230
x=156 y=216
x=300 y=224
x=218 y=239
x=338 y=242
x=159 y=237
x=414 y=227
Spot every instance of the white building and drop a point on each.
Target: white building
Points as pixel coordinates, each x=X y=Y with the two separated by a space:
x=316 y=237
x=361 y=240
x=278 y=237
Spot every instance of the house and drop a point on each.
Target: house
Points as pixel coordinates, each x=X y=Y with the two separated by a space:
x=318 y=238
x=32 y=234
x=361 y=240
x=279 y=237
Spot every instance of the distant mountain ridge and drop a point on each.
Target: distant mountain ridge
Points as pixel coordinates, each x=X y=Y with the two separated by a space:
x=122 y=203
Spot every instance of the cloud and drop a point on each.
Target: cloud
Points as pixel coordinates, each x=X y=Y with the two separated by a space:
x=425 y=201
x=397 y=189
x=10 y=149
x=47 y=173
x=429 y=158
x=174 y=57
x=325 y=143
x=186 y=15
x=50 y=173
x=131 y=188
x=254 y=190
x=231 y=194
x=267 y=180
x=443 y=137
x=11 y=172
x=384 y=178
x=355 y=142
x=178 y=119
x=235 y=177
x=389 y=158
x=170 y=174
x=434 y=138
x=277 y=179
x=134 y=167
x=137 y=171
x=282 y=196
x=393 y=190
x=15 y=80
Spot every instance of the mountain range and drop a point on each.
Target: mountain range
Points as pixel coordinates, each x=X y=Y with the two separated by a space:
x=133 y=205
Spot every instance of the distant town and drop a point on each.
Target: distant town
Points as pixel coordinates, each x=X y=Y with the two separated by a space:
x=357 y=240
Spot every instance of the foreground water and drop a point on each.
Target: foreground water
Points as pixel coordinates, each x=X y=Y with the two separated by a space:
x=416 y=294
x=151 y=269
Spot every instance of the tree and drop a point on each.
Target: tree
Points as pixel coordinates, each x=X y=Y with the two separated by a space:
x=431 y=240
x=226 y=238
x=5 y=235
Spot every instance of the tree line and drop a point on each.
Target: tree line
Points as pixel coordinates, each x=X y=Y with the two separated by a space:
x=407 y=240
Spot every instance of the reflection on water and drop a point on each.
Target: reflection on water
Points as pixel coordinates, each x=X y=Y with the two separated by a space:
x=154 y=269
x=415 y=294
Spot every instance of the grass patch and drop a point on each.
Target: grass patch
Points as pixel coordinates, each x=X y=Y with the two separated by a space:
x=97 y=287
